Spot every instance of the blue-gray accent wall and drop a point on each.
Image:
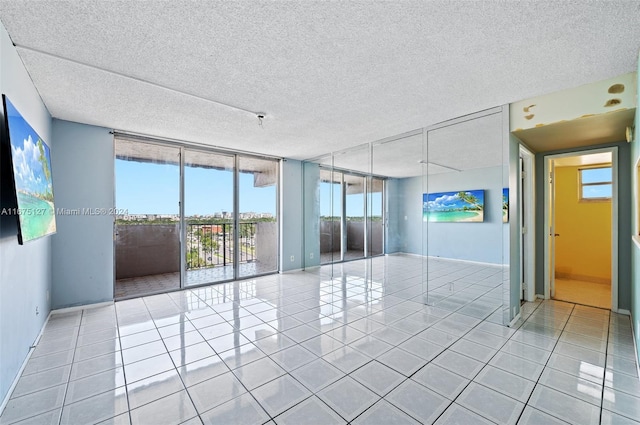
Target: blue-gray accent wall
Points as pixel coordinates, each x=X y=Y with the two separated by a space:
x=25 y=270
x=83 y=247
x=635 y=249
x=291 y=215
x=481 y=242
x=311 y=208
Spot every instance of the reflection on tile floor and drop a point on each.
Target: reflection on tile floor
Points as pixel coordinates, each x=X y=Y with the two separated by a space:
x=162 y=282
x=331 y=257
x=304 y=348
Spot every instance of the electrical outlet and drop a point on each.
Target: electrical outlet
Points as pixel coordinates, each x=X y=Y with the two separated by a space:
x=311 y=255
x=293 y=258
x=37 y=312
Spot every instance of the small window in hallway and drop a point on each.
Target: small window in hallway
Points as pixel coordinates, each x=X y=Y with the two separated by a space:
x=596 y=183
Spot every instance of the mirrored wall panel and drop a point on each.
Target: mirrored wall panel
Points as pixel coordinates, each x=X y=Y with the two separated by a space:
x=463 y=208
x=435 y=198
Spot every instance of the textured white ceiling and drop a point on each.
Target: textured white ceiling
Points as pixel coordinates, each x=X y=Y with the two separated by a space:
x=329 y=75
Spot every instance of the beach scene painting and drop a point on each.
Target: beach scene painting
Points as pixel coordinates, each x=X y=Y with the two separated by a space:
x=31 y=163
x=454 y=207
x=505 y=205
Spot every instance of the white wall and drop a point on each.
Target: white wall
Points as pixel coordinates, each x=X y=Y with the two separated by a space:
x=25 y=270
x=83 y=247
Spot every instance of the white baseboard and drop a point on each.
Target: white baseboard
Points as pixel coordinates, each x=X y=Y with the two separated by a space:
x=624 y=312
x=24 y=364
x=450 y=259
x=634 y=332
x=515 y=319
x=293 y=270
x=82 y=307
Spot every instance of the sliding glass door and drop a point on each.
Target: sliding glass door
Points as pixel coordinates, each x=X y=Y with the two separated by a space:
x=209 y=217
x=147 y=228
x=257 y=220
x=192 y=217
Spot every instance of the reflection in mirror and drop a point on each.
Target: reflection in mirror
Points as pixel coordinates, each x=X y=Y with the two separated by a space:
x=463 y=213
x=398 y=160
x=330 y=216
x=375 y=226
x=434 y=199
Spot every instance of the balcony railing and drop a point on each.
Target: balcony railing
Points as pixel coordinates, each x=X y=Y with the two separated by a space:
x=211 y=244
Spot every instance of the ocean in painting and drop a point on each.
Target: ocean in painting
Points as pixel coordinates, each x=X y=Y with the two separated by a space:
x=453 y=216
x=31 y=161
x=38 y=217
x=454 y=207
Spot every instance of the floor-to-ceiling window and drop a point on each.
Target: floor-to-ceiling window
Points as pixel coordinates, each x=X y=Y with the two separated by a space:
x=209 y=217
x=194 y=216
x=147 y=230
x=257 y=248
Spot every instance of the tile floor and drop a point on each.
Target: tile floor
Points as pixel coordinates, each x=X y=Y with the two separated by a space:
x=581 y=292
x=361 y=348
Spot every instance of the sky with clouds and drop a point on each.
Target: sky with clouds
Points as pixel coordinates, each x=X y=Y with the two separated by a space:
x=449 y=200
x=27 y=168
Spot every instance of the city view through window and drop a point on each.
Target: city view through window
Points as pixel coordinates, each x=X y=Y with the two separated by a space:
x=151 y=244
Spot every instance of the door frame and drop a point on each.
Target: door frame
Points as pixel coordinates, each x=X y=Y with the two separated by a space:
x=527 y=226
x=548 y=232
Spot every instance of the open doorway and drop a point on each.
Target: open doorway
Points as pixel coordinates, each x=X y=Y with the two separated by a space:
x=581 y=201
x=527 y=224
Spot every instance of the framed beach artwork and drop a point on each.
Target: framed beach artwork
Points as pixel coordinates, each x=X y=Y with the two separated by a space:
x=454 y=207
x=31 y=164
x=505 y=205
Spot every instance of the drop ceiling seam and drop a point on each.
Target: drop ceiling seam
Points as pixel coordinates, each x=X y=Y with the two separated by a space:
x=137 y=79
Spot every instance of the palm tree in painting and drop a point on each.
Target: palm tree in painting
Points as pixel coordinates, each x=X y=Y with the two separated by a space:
x=471 y=200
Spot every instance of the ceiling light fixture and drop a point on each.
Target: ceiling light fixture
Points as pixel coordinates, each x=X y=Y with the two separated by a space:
x=260 y=116
x=422 y=161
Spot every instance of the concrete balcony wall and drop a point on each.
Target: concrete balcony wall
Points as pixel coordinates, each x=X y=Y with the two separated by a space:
x=147 y=249
x=355 y=236
x=330 y=236
x=377 y=238
x=267 y=245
